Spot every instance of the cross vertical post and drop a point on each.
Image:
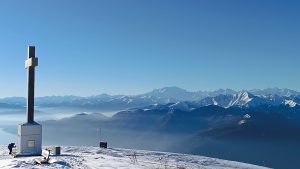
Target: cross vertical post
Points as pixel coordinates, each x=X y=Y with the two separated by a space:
x=30 y=64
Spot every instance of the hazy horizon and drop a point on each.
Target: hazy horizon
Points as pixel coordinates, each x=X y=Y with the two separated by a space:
x=130 y=94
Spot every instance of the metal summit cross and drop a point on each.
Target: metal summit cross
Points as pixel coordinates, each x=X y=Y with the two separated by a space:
x=30 y=64
x=30 y=133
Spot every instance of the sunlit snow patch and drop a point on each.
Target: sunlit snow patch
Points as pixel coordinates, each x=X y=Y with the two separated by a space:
x=290 y=103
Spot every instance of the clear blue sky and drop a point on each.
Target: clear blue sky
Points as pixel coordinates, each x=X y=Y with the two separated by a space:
x=89 y=47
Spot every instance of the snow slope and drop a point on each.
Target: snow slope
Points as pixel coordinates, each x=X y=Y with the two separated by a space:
x=113 y=158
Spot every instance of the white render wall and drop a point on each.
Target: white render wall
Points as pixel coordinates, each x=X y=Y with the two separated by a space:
x=29 y=134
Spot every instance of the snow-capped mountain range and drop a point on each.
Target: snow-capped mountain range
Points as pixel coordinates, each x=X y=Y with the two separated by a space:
x=247 y=99
x=222 y=97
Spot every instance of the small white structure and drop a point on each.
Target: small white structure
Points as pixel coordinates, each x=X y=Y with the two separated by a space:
x=30 y=133
x=29 y=139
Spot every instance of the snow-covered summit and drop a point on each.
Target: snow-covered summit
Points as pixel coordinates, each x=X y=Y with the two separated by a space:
x=94 y=157
x=170 y=93
x=241 y=98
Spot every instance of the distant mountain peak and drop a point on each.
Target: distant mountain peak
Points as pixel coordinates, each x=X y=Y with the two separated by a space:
x=240 y=99
x=170 y=93
x=170 y=90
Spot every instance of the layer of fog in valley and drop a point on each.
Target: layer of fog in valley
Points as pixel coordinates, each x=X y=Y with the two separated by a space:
x=11 y=117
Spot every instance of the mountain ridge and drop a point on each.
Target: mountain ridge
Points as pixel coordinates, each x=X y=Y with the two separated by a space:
x=221 y=97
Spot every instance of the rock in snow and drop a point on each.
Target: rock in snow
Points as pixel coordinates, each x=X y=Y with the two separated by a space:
x=94 y=157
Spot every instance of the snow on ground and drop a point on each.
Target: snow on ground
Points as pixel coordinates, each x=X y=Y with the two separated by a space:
x=114 y=158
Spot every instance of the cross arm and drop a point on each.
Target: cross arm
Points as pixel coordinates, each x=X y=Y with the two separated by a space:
x=31 y=62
